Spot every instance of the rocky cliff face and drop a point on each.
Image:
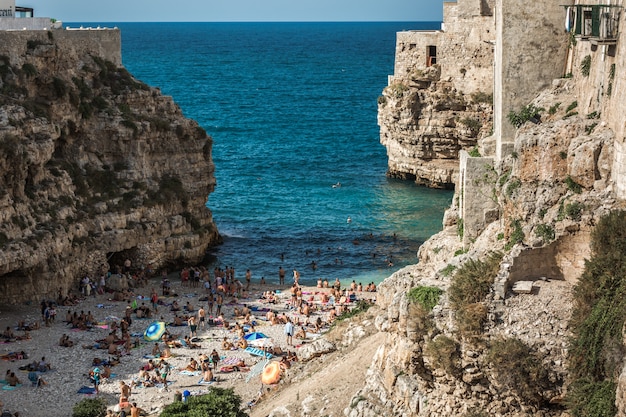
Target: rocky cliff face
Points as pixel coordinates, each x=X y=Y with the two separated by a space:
x=96 y=167
x=550 y=193
x=424 y=123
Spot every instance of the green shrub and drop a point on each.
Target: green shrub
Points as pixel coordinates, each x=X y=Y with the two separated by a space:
x=587 y=398
x=516 y=236
x=473 y=280
x=545 y=232
x=460 y=228
x=29 y=69
x=471 y=318
x=100 y=103
x=480 y=97
x=585 y=66
x=444 y=354
x=525 y=114
x=590 y=128
x=473 y=125
x=90 y=407
x=219 y=402
x=60 y=89
x=504 y=178
x=448 y=270
x=573 y=186
x=572 y=106
x=398 y=89
x=474 y=153
x=553 y=109
x=597 y=321
x=513 y=186
x=361 y=307
x=519 y=370
x=574 y=210
x=563 y=154
x=427 y=297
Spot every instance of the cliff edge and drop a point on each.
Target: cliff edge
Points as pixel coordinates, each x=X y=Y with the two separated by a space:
x=96 y=167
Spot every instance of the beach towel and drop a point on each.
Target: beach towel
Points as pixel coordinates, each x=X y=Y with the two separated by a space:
x=190 y=373
x=258 y=352
x=9 y=387
x=203 y=382
x=86 y=390
x=231 y=360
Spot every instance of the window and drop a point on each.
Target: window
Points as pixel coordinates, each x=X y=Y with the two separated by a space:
x=431 y=55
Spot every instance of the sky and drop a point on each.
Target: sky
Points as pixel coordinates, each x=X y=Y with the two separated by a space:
x=236 y=10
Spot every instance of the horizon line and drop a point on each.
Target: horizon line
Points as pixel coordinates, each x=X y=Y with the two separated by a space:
x=250 y=21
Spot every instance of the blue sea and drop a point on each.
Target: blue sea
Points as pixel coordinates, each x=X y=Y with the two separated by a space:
x=292 y=111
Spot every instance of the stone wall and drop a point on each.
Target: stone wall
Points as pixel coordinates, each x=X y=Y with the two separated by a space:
x=478 y=203
x=105 y=43
x=31 y=23
x=531 y=52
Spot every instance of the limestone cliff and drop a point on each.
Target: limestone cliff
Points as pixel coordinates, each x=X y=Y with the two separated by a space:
x=95 y=167
x=497 y=339
x=439 y=99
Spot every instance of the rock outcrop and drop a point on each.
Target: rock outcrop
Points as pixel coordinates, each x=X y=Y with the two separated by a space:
x=96 y=167
x=439 y=99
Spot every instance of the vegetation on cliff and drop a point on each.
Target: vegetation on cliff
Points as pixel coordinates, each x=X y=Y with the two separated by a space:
x=597 y=350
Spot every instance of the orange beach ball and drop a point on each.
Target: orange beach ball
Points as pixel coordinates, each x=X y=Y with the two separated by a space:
x=271 y=373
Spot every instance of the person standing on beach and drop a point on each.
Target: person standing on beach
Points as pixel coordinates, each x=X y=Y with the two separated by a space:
x=193 y=326
x=201 y=316
x=219 y=301
x=165 y=370
x=154 y=298
x=96 y=378
x=211 y=300
x=248 y=279
x=281 y=276
x=289 y=331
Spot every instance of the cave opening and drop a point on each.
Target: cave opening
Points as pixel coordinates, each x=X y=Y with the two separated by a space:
x=126 y=260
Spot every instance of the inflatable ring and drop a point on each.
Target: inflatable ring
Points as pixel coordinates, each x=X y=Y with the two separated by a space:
x=271 y=373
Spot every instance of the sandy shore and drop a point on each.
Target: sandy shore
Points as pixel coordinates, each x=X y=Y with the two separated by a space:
x=71 y=365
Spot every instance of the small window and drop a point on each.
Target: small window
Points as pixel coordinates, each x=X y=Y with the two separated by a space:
x=431 y=55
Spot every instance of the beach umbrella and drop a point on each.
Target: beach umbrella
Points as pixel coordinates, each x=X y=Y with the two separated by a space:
x=256 y=369
x=154 y=331
x=271 y=373
x=264 y=342
x=254 y=336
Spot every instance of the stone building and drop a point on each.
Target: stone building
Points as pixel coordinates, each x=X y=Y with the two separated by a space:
x=14 y=17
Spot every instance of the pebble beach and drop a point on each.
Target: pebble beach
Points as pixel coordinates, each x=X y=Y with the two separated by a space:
x=68 y=381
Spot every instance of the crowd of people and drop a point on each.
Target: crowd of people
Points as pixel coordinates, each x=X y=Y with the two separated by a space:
x=219 y=302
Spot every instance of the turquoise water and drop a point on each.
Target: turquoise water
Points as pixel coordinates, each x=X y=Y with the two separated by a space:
x=292 y=110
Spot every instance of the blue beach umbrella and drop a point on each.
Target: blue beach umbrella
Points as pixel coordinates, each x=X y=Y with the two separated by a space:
x=254 y=336
x=154 y=331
